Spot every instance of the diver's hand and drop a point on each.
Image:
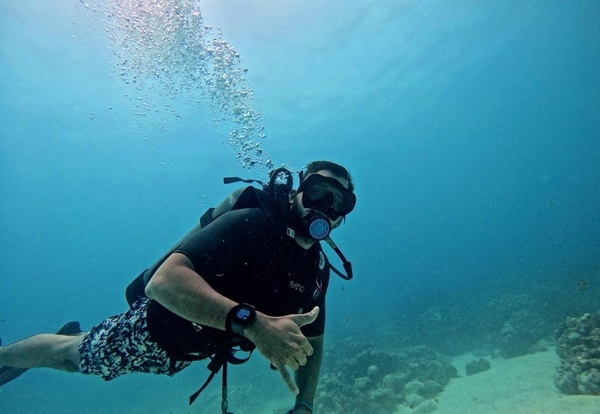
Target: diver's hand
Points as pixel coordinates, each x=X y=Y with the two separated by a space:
x=280 y=340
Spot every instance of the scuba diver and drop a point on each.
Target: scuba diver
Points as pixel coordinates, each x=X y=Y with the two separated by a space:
x=252 y=274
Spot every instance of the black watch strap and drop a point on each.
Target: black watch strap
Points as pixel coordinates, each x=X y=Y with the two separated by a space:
x=239 y=317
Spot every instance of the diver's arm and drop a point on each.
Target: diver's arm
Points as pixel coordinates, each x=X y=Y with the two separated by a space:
x=178 y=287
x=307 y=376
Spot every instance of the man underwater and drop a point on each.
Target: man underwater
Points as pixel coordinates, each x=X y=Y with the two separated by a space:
x=256 y=274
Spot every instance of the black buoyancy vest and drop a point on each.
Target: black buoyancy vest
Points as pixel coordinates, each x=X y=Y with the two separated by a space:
x=247 y=197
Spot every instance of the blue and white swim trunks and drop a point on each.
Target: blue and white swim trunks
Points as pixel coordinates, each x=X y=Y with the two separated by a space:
x=122 y=344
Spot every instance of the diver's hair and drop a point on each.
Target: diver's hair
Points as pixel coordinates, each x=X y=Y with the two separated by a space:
x=336 y=169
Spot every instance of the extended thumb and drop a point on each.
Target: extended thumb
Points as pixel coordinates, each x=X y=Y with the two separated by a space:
x=308 y=317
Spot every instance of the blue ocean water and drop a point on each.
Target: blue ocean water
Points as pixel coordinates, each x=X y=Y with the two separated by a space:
x=471 y=130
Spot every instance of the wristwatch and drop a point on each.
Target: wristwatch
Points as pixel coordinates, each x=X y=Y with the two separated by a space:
x=239 y=317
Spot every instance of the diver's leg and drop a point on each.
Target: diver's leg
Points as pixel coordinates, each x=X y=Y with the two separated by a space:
x=43 y=350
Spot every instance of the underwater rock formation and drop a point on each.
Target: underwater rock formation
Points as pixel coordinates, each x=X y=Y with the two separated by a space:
x=513 y=325
x=376 y=381
x=509 y=325
x=477 y=366
x=578 y=346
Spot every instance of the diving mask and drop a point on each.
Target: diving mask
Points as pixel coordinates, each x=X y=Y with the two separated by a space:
x=327 y=195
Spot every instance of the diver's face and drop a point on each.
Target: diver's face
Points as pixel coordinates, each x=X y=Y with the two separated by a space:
x=299 y=206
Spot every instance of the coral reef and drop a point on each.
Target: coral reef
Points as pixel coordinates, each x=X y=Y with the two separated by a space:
x=376 y=381
x=513 y=324
x=510 y=326
x=578 y=346
x=508 y=316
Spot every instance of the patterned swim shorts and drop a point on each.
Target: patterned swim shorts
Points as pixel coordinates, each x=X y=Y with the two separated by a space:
x=121 y=344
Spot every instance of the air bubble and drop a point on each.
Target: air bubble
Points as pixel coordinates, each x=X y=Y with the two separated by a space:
x=175 y=56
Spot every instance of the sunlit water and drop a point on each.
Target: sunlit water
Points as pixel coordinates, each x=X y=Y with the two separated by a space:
x=471 y=130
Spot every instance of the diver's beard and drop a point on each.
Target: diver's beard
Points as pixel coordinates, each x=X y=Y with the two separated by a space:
x=297 y=220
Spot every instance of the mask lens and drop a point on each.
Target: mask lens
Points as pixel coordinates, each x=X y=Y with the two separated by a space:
x=327 y=195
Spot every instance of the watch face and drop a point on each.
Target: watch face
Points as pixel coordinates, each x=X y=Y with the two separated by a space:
x=243 y=314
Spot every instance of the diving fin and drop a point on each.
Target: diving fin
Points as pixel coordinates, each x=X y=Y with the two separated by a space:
x=7 y=374
x=70 y=329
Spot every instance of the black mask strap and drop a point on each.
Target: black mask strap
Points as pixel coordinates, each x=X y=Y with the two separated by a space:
x=347 y=265
x=229 y=180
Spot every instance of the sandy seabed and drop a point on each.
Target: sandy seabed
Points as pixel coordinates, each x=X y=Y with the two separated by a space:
x=521 y=385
